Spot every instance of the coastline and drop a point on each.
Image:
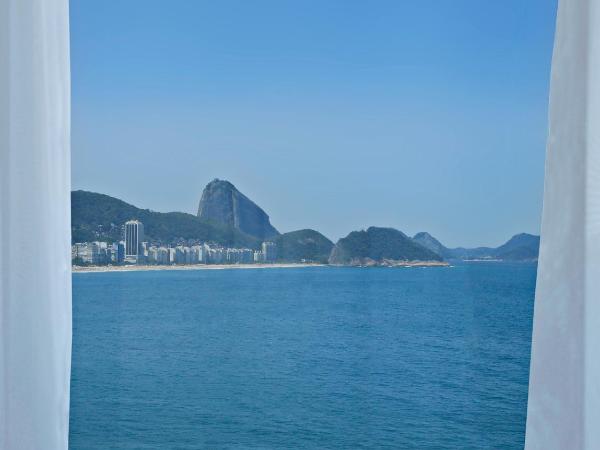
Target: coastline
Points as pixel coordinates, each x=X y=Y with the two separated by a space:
x=368 y=262
x=144 y=268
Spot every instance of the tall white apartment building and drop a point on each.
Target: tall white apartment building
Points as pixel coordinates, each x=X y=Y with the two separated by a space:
x=134 y=236
x=269 y=251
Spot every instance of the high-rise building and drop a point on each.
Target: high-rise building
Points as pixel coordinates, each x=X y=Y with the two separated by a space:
x=152 y=257
x=134 y=235
x=163 y=256
x=217 y=255
x=81 y=252
x=180 y=254
x=269 y=251
x=232 y=255
x=91 y=253
x=120 y=252
x=197 y=254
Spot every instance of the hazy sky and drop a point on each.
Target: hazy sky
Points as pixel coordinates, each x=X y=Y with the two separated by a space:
x=334 y=115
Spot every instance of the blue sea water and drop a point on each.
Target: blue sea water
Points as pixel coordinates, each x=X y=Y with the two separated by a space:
x=349 y=358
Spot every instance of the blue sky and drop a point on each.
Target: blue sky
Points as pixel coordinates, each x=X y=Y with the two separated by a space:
x=423 y=115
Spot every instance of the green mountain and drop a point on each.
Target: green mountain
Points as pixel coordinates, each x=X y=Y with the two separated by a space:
x=521 y=247
x=221 y=203
x=307 y=245
x=101 y=217
x=428 y=241
x=375 y=245
x=98 y=217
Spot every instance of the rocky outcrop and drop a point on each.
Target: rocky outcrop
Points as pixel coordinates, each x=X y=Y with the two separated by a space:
x=223 y=204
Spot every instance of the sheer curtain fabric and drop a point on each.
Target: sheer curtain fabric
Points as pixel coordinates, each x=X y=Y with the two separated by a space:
x=35 y=260
x=564 y=388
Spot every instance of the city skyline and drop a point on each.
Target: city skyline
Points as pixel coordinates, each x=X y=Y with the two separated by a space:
x=397 y=115
x=135 y=249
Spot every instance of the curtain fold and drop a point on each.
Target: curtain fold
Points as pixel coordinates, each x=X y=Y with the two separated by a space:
x=35 y=261
x=564 y=389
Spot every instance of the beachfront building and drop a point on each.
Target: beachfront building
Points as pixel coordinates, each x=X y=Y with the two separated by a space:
x=247 y=256
x=117 y=252
x=95 y=253
x=163 y=256
x=134 y=236
x=179 y=255
x=152 y=257
x=269 y=252
x=233 y=255
x=80 y=252
x=197 y=254
x=240 y=256
x=135 y=251
x=217 y=255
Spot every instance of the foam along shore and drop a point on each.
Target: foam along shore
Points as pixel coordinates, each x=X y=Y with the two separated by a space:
x=141 y=267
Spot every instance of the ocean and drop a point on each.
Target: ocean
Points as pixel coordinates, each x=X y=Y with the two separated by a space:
x=320 y=357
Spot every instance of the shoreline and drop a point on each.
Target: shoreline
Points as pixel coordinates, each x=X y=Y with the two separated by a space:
x=148 y=268
x=144 y=268
x=367 y=262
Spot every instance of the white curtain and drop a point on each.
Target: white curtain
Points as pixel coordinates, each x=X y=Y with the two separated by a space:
x=35 y=263
x=564 y=388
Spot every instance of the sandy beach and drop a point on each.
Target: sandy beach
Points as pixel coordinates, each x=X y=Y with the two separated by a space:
x=136 y=268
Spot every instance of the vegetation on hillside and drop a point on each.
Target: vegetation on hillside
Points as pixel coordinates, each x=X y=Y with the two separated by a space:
x=521 y=247
x=307 y=245
x=99 y=217
x=379 y=244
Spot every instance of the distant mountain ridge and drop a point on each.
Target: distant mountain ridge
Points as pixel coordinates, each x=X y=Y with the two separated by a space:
x=221 y=203
x=227 y=217
x=99 y=217
x=521 y=247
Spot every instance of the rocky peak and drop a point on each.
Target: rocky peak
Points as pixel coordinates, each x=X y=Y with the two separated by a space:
x=222 y=203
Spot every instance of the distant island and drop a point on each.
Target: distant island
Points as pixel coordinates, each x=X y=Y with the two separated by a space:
x=227 y=218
